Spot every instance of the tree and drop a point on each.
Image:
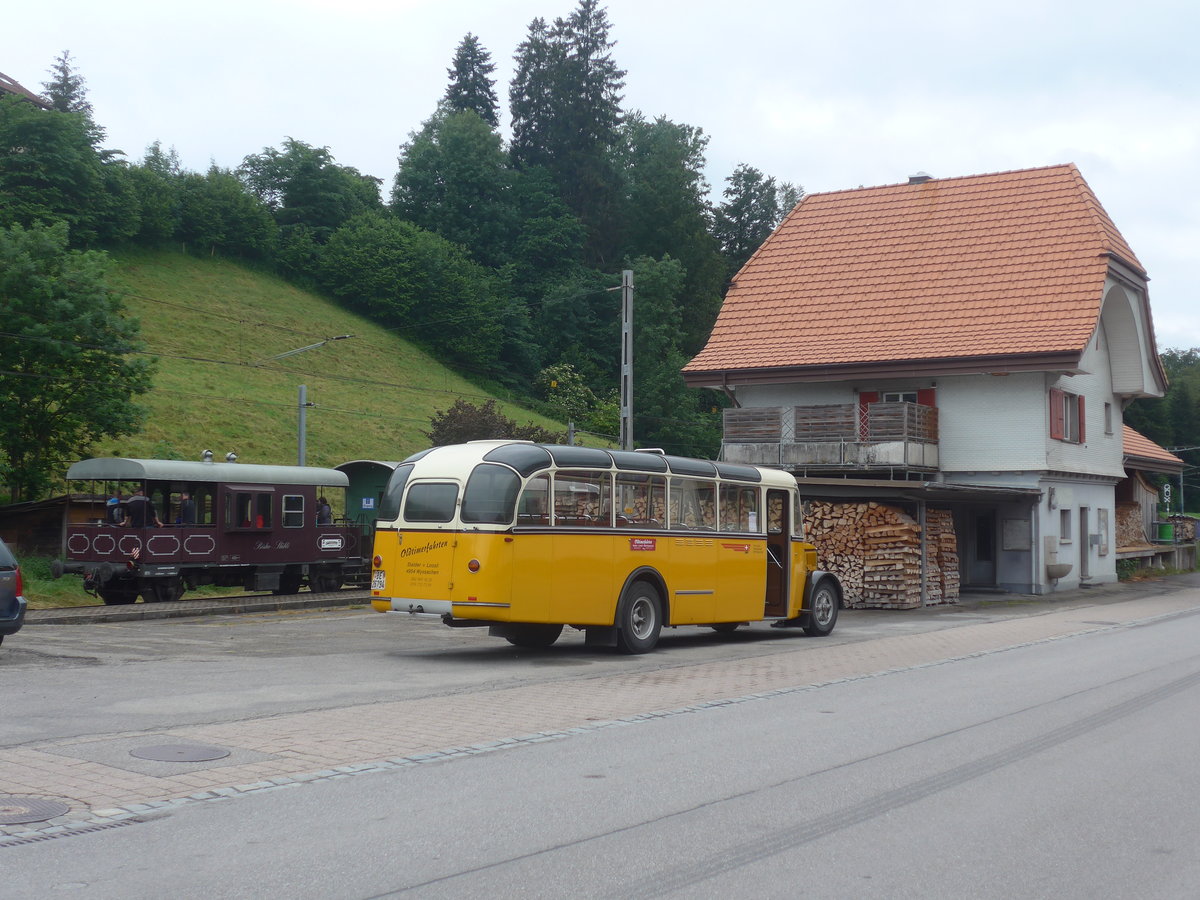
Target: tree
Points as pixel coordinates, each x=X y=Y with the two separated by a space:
x=465 y=421
x=454 y=180
x=70 y=371
x=303 y=186
x=668 y=214
x=754 y=205
x=405 y=277
x=566 y=106
x=67 y=92
x=471 y=86
x=218 y=214
x=50 y=171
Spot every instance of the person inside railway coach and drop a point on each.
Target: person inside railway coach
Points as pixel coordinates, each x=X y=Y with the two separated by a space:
x=187 y=509
x=139 y=511
x=324 y=512
x=114 y=512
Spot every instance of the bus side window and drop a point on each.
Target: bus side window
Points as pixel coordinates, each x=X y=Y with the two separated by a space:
x=739 y=508
x=639 y=500
x=692 y=505
x=582 y=498
x=533 y=506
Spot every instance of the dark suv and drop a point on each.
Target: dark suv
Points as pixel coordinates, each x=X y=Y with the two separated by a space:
x=12 y=601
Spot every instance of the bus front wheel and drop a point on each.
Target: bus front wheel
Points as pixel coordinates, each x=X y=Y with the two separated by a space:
x=639 y=618
x=823 y=610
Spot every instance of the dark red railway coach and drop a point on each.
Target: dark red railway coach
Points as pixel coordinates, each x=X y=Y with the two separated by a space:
x=252 y=526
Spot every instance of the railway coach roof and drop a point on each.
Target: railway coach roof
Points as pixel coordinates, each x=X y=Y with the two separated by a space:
x=122 y=469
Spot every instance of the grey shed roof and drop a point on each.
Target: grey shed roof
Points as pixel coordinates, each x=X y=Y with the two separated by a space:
x=120 y=469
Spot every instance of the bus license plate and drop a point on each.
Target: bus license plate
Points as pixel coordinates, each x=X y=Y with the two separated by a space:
x=378 y=580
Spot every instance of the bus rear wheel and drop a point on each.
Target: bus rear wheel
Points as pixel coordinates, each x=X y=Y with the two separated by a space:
x=532 y=636
x=823 y=610
x=639 y=618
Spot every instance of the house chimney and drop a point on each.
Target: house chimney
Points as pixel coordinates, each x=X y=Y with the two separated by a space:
x=920 y=178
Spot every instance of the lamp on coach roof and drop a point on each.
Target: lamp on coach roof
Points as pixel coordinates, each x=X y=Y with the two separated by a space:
x=206 y=456
x=230 y=456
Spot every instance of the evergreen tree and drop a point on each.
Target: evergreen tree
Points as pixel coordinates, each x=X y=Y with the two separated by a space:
x=754 y=205
x=66 y=89
x=67 y=92
x=471 y=85
x=566 y=106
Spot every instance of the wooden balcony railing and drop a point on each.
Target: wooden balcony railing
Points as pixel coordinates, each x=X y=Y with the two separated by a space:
x=834 y=436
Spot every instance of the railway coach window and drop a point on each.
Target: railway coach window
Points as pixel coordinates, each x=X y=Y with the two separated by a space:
x=245 y=509
x=293 y=511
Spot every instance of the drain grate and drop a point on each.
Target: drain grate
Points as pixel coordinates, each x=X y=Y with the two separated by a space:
x=22 y=810
x=180 y=753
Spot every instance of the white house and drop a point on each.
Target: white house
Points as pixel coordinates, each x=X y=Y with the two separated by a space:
x=963 y=342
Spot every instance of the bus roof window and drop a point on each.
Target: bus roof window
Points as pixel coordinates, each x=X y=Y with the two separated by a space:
x=525 y=458
x=683 y=466
x=639 y=462
x=580 y=457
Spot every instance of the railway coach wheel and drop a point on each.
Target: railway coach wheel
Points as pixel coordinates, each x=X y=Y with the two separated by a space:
x=325 y=582
x=824 y=612
x=533 y=636
x=117 y=593
x=639 y=618
x=163 y=590
x=289 y=583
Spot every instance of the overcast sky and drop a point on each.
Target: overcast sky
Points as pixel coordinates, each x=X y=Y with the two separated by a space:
x=825 y=95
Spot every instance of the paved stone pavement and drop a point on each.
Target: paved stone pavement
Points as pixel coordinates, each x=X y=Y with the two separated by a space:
x=103 y=784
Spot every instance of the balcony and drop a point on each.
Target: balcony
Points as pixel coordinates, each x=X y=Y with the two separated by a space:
x=841 y=438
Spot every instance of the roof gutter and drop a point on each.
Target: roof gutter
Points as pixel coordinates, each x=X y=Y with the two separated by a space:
x=722 y=379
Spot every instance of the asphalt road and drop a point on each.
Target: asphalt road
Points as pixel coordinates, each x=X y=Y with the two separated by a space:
x=1058 y=764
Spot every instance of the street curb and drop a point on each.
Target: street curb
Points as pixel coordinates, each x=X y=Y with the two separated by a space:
x=213 y=606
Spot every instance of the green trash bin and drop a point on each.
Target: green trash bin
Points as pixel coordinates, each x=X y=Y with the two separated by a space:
x=1166 y=531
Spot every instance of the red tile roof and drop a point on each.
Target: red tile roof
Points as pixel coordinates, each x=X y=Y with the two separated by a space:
x=982 y=266
x=1138 y=446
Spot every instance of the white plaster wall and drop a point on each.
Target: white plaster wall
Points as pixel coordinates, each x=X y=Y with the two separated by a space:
x=1101 y=452
x=992 y=423
x=1070 y=495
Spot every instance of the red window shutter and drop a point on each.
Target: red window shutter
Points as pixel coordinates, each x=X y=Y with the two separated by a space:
x=1082 y=435
x=864 y=398
x=1057 y=425
x=927 y=397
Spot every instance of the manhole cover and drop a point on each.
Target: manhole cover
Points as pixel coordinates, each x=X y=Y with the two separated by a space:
x=179 y=753
x=20 y=810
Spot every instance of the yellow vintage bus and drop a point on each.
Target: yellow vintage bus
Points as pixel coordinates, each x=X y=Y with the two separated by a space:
x=528 y=538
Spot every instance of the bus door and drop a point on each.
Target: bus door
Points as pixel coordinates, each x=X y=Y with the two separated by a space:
x=779 y=545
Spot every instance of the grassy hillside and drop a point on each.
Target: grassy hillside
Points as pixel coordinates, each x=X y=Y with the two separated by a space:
x=212 y=323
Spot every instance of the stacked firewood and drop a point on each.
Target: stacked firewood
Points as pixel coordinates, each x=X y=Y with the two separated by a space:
x=875 y=550
x=1185 y=528
x=1131 y=528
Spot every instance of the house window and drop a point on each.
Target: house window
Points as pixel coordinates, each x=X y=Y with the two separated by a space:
x=1066 y=417
x=899 y=396
x=1064 y=526
x=1108 y=422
